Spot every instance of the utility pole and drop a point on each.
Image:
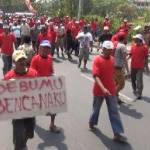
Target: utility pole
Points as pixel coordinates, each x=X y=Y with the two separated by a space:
x=79 y=9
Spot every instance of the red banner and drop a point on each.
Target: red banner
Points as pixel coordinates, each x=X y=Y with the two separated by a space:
x=29 y=5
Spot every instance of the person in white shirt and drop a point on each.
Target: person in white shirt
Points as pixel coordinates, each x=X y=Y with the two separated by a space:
x=16 y=30
x=25 y=29
x=84 y=40
x=60 y=39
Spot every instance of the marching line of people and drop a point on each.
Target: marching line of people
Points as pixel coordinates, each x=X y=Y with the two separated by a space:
x=28 y=46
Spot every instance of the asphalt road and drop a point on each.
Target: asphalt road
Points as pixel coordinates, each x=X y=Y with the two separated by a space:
x=75 y=133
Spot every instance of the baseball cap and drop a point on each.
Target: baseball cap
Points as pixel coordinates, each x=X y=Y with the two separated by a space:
x=108 y=45
x=45 y=43
x=139 y=36
x=18 y=54
x=125 y=20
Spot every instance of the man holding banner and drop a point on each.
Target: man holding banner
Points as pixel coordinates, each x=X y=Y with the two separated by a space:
x=43 y=64
x=23 y=129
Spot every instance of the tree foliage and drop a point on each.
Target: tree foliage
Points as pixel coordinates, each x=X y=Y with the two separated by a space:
x=113 y=8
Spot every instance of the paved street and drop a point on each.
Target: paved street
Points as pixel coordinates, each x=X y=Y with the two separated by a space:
x=74 y=123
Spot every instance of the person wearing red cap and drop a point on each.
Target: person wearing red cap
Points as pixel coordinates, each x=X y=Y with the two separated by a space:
x=125 y=27
x=115 y=39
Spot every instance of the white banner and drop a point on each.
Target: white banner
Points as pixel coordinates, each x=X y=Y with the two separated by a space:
x=32 y=97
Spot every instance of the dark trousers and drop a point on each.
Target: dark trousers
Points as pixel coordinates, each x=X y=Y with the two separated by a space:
x=137 y=80
x=75 y=47
x=18 y=42
x=23 y=129
x=52 y=49
x=7 y=61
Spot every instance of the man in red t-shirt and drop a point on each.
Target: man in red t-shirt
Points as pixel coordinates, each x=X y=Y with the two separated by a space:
x=104 y=88
x=94 y=27
x=7 y=42
x=43 y=35
x=139 y=58
x=125 y=27
x=52 y=37
x=23 y=129
x=107 y=22
x=43 y=64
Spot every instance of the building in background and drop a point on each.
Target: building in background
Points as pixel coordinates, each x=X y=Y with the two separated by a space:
x=141 y=3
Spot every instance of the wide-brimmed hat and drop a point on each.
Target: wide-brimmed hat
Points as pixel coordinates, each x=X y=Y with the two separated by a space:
x=18 y=54
x=139 y=36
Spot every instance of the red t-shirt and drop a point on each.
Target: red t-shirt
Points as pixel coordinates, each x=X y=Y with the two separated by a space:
x=82 y=23
x=104 y=69
x=6 y=42
x=52 y=36
x=43 y=66
x=42 y=37
x=138 y=56
x=31 y=23
x=1 y=30
x=74 y=31
x=31 y=73
x=114 y=38
x=94 y=26
x=106 y=23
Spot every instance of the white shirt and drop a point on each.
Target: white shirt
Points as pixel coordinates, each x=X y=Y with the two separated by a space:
x=25 y=30
x=84 y=39
x=16 y=31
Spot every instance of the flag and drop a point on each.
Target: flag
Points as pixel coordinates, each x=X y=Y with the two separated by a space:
x=29 y=5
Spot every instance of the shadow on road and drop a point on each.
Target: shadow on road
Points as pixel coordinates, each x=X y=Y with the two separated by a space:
x=73 y=61
x=146 y=99
x=57 y=60
x=63 y=58
x=126 y=109
x=110 y=144
x=86 y=71
x=50 y=139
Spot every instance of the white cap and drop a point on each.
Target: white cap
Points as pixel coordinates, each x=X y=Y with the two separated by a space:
x=125 y=20
x=106 y=28
x=139 y=36
x=108 y=45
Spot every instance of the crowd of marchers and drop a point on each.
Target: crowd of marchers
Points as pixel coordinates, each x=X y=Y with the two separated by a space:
x=28 y=46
